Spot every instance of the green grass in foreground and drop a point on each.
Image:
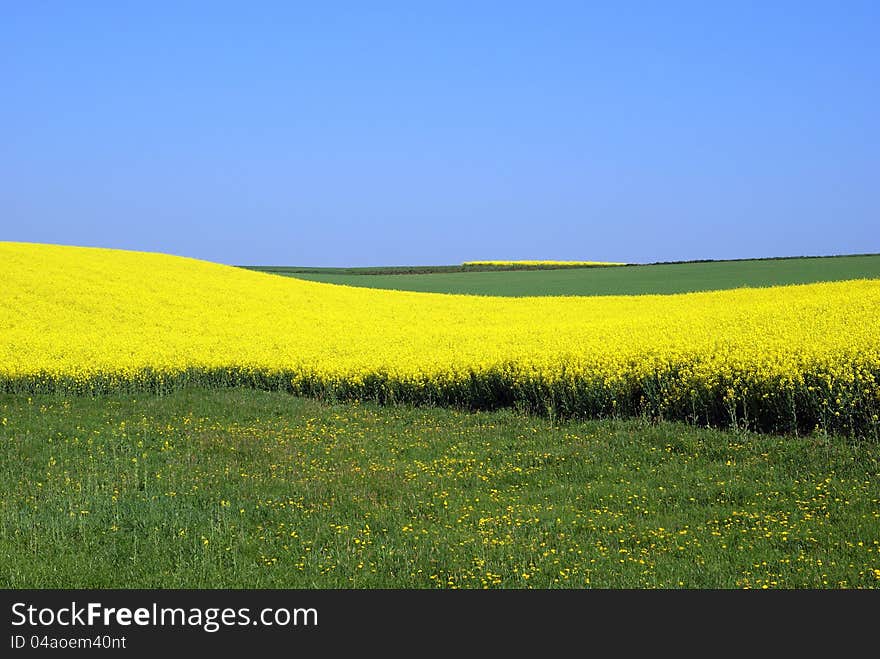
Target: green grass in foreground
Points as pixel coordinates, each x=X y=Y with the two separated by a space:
x=622 y=280
x=249 y=489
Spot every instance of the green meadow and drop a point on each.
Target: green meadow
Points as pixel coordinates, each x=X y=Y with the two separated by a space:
x=237 y=488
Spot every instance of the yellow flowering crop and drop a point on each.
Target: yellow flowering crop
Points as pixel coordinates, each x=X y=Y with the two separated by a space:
x=783 y=358
x=536 y=264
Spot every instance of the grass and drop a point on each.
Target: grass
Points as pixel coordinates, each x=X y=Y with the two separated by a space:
x=663 y=278
x=243 y=488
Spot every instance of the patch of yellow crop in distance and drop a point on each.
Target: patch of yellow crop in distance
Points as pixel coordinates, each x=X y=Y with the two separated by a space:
x=545 y=264
x=792 y=357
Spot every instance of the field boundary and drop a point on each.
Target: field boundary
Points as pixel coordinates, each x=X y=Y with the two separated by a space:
x=812 y=400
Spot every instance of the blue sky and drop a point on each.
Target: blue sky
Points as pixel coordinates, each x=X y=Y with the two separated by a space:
x=426 y=133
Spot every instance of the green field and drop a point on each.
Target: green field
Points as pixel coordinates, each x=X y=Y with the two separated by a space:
x=408 y=269
x=248 y=489
x=626 y=280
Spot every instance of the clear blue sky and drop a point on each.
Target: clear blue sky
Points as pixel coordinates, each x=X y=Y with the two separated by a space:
x=370 y=133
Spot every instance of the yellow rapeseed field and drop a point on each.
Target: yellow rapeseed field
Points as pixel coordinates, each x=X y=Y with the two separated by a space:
x=784 y=358
x=536 y=264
